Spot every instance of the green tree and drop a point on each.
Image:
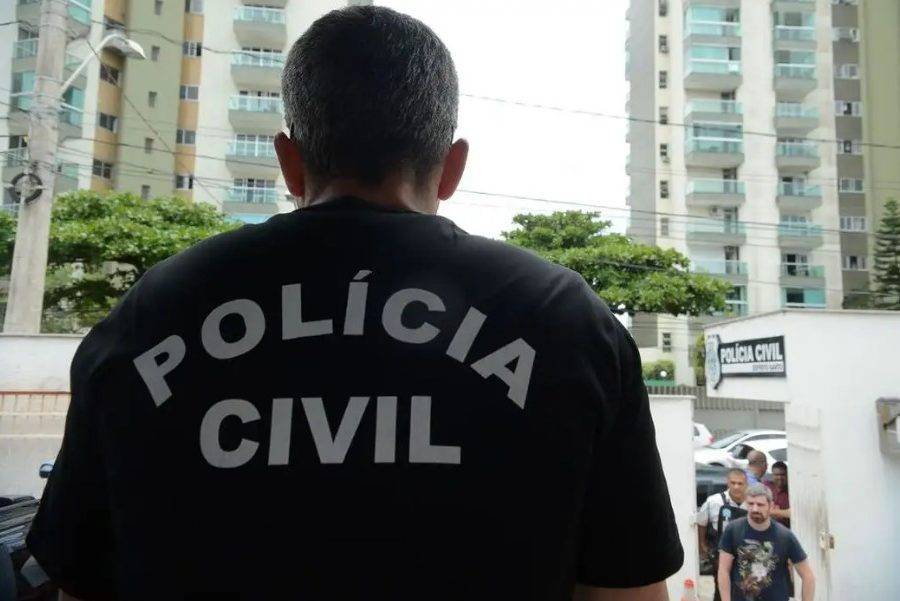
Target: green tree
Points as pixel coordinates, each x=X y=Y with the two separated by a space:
x=698 y=359
x=627 y=275
x=662 y=370
x=887 y=259
x=100 y=244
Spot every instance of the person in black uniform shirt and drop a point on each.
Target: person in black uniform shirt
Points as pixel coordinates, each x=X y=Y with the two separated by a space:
x=359 y=400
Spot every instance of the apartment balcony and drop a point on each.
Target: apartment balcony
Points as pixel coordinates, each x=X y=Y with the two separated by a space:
x=803 y=298
x=258 y=26
x=797 y=156
x=717 y=111
x=794 y=81
x=802 y=275
x=714 y=193
x=25 y=59
x=255 y=113
x=714 y=153
x=252 y=159
x=715 y=231
x=71 y=117
x=257 y=70
x=78 y=22
x=733 y=271
x=799 y=236
x=712 y=75
x=255 y=201
x=792 y=119
x=794 y=5
x=715 y=32
x=798 y=196
x=789 y=37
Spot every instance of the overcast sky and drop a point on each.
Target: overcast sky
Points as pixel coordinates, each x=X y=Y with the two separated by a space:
x=572 y=56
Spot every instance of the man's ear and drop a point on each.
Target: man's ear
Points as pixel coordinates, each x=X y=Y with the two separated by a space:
x=292 y=165
x=453 y=168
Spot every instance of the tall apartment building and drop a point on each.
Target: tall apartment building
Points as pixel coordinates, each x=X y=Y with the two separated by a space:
x=197 y=117
x=734 y=155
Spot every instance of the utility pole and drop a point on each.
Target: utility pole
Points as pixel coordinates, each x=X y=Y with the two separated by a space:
x=29 y=265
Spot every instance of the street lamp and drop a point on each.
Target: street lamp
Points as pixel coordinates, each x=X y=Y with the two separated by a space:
x=29 y=265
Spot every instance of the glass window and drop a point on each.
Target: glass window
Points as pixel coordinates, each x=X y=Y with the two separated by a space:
x=109 y=74
x=145 y=192
x=189 y=92
x=151 y=99
x=779 y=454
x=101 y=169
x=154 y=53
x=157 y=7
x=110 y=122
x=184 y=182
x=186 y=136
x=193 y=6
x=192 y=48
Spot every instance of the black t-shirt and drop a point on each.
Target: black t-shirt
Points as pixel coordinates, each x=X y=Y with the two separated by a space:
x=760 y=571
x=348 y=402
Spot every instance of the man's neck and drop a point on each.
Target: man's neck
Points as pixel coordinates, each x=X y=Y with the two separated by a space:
x=395 y=192
x=760 y=527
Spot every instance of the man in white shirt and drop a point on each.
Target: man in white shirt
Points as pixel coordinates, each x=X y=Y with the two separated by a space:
x=715 y=513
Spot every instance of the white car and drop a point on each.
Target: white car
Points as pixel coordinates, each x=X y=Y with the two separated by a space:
x=702 y=436
x=775 y=449
x=718 y=453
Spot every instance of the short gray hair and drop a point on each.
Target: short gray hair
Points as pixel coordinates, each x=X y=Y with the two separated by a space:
x=760 y=490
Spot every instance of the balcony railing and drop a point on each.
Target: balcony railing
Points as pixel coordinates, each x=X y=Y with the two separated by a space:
x=719 y=267
x=252 y=148
x=798 y=149
x=728 y=107
x=735 y=308
x=255 y=104
x=713 y=66
x=29 y=48
x=799 y=229
x=253 y=195
x=798 y=189
x=71 y=115
x=714 y=145
x=258 y=59
x=259 y=14
x=795 y=33
x=15 y=157
x=715 y=226
x=803 y=270
x=713 y=28
x=793 y=71
x=794 y=110
x=715 y=186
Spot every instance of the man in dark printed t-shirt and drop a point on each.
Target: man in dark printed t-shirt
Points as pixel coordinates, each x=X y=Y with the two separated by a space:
x=359 y=400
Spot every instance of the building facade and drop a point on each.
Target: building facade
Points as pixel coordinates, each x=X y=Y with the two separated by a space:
x=196 y=117
x=735 y=156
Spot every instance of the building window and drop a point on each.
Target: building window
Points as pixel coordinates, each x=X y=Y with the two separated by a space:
x=663 y=8
x=664 y=44
x=664 y=153
x=663 y=80
x=110 y=122
x=848 y=108
x=157 y=7
x=847 y=71
x=663 y=115
x=145 y=192
x=854 y=262
x=187 y=137
x=189 y=92
x=101 y=169
x=667 y=342
x=154 y=53
x=846 y=34
x=148 y=145
x=852 y=184
x=109 y=74
x=151 y=99
x=192 y=48
x=849 y=147
x=17 y=142
x=112 y=24
x=664 y=226
x=193 y=6
x=184 y=182
x=853 y=223
x=664 y=188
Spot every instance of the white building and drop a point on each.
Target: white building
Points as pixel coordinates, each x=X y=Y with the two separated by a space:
x=727 y=100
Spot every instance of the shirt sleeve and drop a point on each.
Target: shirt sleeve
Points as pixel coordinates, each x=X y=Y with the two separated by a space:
x=71 y=535
x=632 y=540
x=795 y=551
x=703 y=514
x=726 y=541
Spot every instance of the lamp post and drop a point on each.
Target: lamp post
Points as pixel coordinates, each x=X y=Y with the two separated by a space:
x=29 y=265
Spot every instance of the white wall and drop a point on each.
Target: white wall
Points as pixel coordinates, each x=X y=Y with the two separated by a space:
x=674 y=421
x=31 y=423
x=838 y=364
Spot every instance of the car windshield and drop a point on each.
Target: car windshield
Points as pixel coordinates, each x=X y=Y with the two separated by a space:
x=724 y=442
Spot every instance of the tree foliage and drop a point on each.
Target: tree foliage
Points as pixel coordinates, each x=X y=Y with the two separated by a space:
x=887 y=258
x=628 y=276
x=100 y=244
